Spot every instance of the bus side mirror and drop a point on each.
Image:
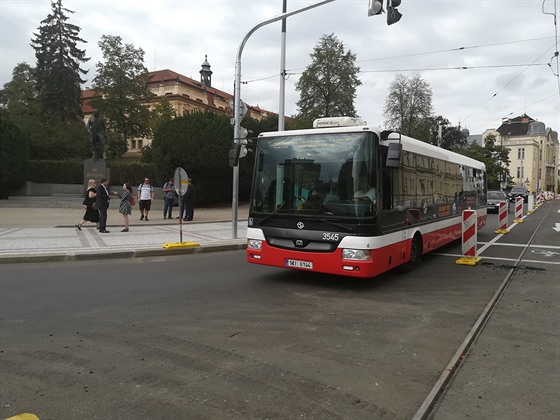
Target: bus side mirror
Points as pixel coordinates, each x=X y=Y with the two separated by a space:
x=394 y=155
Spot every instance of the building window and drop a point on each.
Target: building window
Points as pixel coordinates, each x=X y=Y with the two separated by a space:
x=520 y=172
x=133 y=144
x=140 y=143
x=521 y=153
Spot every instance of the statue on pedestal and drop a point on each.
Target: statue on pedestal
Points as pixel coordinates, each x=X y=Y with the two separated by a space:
x=96 y=128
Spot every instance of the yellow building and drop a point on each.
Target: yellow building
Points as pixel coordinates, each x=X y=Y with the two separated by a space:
x=533 y=152
x=184 y=94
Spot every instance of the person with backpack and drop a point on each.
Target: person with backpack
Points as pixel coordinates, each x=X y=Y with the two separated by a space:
x=145 y=197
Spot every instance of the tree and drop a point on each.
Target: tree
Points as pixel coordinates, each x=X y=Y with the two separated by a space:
x=50 y=139
x=328 y=86
x=14 y=155
x=199 y=142
x=58 y=69
x=163 y=112
x=408 y=107
x=121 y=85
x=20 y=96
x=451 y=136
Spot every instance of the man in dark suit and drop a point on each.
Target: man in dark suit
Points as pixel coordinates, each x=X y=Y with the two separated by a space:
x=102 y=203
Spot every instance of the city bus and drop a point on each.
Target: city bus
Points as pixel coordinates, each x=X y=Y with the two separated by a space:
x=349 y=199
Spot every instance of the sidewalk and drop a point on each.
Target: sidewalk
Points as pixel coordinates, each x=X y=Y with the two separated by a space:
x=32 y=234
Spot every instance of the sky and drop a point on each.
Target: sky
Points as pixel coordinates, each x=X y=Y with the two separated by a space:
x=507 y=47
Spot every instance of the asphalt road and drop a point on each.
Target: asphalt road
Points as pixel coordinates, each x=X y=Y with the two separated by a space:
x=207 y=336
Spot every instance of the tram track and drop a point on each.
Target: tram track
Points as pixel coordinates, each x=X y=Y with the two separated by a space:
x=457 y=360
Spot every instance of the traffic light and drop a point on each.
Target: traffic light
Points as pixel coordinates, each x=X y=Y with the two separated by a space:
x=375 y=7
x=238 y=148
x=393 y=15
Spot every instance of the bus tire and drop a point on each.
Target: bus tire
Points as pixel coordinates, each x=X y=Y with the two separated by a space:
x=415 y=255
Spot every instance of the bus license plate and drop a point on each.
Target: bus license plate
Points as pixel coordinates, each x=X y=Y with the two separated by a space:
x=299 y=264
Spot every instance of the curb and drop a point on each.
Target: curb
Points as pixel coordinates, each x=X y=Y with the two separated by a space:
x=99 y=255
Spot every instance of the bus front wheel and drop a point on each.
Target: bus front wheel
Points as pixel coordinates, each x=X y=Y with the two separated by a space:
x=415 y=255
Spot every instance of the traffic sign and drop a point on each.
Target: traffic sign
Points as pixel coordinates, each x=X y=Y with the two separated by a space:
x=181 y=181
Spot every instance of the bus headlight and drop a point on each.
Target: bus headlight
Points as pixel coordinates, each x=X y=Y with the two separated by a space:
x=356 y=254
x=254 y=244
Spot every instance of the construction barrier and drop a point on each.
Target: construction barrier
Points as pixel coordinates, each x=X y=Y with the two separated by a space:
x=469 y=239
x=503 y=218
x=518 y=210
x=540 y=199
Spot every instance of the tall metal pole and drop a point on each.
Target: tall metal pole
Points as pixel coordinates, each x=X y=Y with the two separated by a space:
x=237 y=115
x=281 y=101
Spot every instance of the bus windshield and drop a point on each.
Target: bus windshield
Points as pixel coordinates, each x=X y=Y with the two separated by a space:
x=330 y=174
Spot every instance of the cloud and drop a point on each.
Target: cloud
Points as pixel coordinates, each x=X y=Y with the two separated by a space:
x=432 y=35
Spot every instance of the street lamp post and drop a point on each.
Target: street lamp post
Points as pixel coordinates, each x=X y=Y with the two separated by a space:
x=237 y=114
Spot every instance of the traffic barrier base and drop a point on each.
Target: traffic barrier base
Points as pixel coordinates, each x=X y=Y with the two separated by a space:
x=468 y=260
x=175 y=245
x=501 y=231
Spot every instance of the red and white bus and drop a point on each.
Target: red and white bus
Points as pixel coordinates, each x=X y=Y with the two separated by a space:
x=349 y=199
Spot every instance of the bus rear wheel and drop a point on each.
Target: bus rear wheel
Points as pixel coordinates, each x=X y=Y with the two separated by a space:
x=415 y=255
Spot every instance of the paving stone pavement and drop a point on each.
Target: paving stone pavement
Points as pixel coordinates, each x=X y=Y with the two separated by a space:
x=29 y=233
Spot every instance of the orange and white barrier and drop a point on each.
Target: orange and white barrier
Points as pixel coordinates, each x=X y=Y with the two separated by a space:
x=518 y=210
x=469 y=239
x=503 y=218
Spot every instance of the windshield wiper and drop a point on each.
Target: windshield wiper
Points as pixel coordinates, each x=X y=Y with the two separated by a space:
x=278 y=210
x=340 y=225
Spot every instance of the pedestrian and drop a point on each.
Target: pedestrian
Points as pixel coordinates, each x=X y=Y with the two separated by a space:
x=145 y=197
x=91 y=214
x=168 y=198
x=102 y=202
x=188 y=205
x=125 y=208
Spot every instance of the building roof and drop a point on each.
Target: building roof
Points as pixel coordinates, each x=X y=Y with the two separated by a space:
x=170 y=77
x=518 y=126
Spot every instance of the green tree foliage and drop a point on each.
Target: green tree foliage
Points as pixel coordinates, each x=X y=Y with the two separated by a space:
x=496 y=159
x=451 y=137
x=14 y=155
x=20 y=96
x=328 y=86
x=50 y=139
x=120 y=82
x=163 y=112
x=58 y=71
x=199 y=142
x=408 y=107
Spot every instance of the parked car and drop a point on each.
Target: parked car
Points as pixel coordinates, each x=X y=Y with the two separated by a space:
x=493 y=198
x=519 y=191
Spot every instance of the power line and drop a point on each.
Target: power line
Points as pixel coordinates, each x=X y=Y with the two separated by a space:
x=452 y=68
x=453 y=49
x=507 y=84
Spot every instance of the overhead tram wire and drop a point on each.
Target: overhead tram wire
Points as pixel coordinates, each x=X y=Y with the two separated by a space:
x=296 y=70
x=516 y=111
x=452 y=49
x=507 y=84
x=453 y=68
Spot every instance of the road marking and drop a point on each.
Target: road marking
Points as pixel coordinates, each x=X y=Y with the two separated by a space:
x=523 y=245
x=501 y=259
x=546 y=253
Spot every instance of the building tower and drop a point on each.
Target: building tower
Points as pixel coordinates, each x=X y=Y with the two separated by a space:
x=206 y=73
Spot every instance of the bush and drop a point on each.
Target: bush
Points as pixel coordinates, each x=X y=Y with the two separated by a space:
x=14 y=155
